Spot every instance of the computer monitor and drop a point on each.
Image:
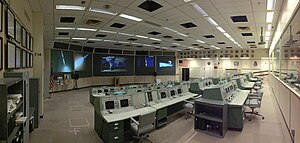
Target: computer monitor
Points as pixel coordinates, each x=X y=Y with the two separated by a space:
x=149 y=95
x=112 y=89
x=105 y=90
x=163 y=95
x=124 y=103
x=99 y=91
x=172 y=93
x=139 y=90
x=179 y=91
x=109 y=105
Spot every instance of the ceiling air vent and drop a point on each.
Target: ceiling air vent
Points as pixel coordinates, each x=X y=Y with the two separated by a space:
x=93 y=22
x=244 y=28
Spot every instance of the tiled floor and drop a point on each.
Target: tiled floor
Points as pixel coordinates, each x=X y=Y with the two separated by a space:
x=69 y=119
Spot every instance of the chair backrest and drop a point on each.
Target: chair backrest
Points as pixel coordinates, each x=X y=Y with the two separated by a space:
x=146 y=119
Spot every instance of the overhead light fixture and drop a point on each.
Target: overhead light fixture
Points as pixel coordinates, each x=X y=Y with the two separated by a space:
x=130 y=17
x=265 y=58
x=187 y=0
x=244 y=58
x=211 y=21
x=93 y=39
x=221 y=29
x=140 y=36
x=268 y=33
x=205 y=58
x=64 y=28
x=156 y=46
x=123 y=42
x=155 y=39
x=267 y=38
x=271 y=4
x=170 y=29
x=62 y=38
x=99 y=10
x=176 y=44
x=227 y=35
x=136 y=43
x=269 y=27
x=182 y=34
x=215 y=47
x=147 y=45
x=231 y=39
x=269 y=17
x=200 y=41
x=70 y=7
x=266 y=45
x=126 y=34
x=112 y=41
x=224 y=58
x=199 y=9
x=78 y=38
x=86 y=29
x=164 y=48
x=106 y=31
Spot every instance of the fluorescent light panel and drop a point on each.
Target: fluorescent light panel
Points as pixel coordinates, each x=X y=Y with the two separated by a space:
x=86 y=29
x=269 y=17
x=182 y=34
x=269 y=27
x=70 y=7
x=106 y=31
x=140 y=36
x=170 y=29
x=64 y=28
x=126 y=34
x=130 y=17
x=200 y=41
x=93 y=39
x=268 y=33
x=199 y=9
x=267 y=38
x=99 y=10
x=227 y=35
x=147 y=45
x=271 y=4
x=155 y=39
x=62 y=38
x=78 y=38
x=176 y=44
x=221 y=29
x=205 y=58
x=211 y=21
x=123 y=42
x=112 y=41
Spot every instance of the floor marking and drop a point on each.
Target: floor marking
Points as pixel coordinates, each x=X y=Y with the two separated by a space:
x=75 y=131
x=79 y=126
x=190 y=137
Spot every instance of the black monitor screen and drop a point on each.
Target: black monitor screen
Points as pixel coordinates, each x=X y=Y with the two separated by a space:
x=109 y=105
x=99 y=91
x=105 y=90
x=163 y=95
x=172 y=93
x=149 y=95
x=179 y=91
x=139 y=91
x=124 y=103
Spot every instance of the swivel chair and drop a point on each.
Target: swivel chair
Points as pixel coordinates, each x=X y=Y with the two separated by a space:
x=253 y=102
x=144 y=125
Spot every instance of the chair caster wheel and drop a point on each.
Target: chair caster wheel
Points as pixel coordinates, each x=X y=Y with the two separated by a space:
x=263 y=117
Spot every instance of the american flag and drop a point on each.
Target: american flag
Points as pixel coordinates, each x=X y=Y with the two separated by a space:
x=52 y=82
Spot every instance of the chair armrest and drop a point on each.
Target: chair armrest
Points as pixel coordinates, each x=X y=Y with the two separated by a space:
x=136 y=122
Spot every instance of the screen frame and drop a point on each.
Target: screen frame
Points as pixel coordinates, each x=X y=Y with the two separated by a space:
x=10 y=17
x=18 y=50
x=127 y=103
x=11 y=65
x=106 y=103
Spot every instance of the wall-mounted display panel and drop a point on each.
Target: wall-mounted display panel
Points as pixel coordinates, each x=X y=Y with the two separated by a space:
x=11 y=55
x=1 y=55
x=31 y=61
x=18 y=32
x=83 y=64
x=24 y=39
x=1 y=16
x=28 y=41
x=28 y=60
x=62 y=61
x=112 y=65
x=18 y=57
x=144 y=65
x=166 y=65
x=10 y=24
x=24 y=59
x=31 y=44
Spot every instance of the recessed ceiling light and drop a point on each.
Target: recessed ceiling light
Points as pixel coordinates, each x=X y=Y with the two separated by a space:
x=176 y=44
x=170 y=29
x=199 y=9
x=182 y=34
x=93 y=39
x=268 y=33
x=64 y=28
x=187 y=0
x=147 y=45
x=269 y=27
x=123 y=42
x=126 y=34
x=267 y=38
x=221 y=29
x=271 y=4
x=155 y=39
x=106 y=31
x=99 y=10
x=164 y=48
x=112 y=41
x=86 y=29
x=62 y=38
x=269 y=17
x=69 y=7
x=78 y=38
x=130 y=17
x=211 y=21
x=200 y=41
x=227 y=35
x=140 y=36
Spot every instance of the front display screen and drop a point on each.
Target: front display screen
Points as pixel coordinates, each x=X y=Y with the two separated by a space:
x=144 y=65
x=166 y=65
x=83 y=64
x=62 y=61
